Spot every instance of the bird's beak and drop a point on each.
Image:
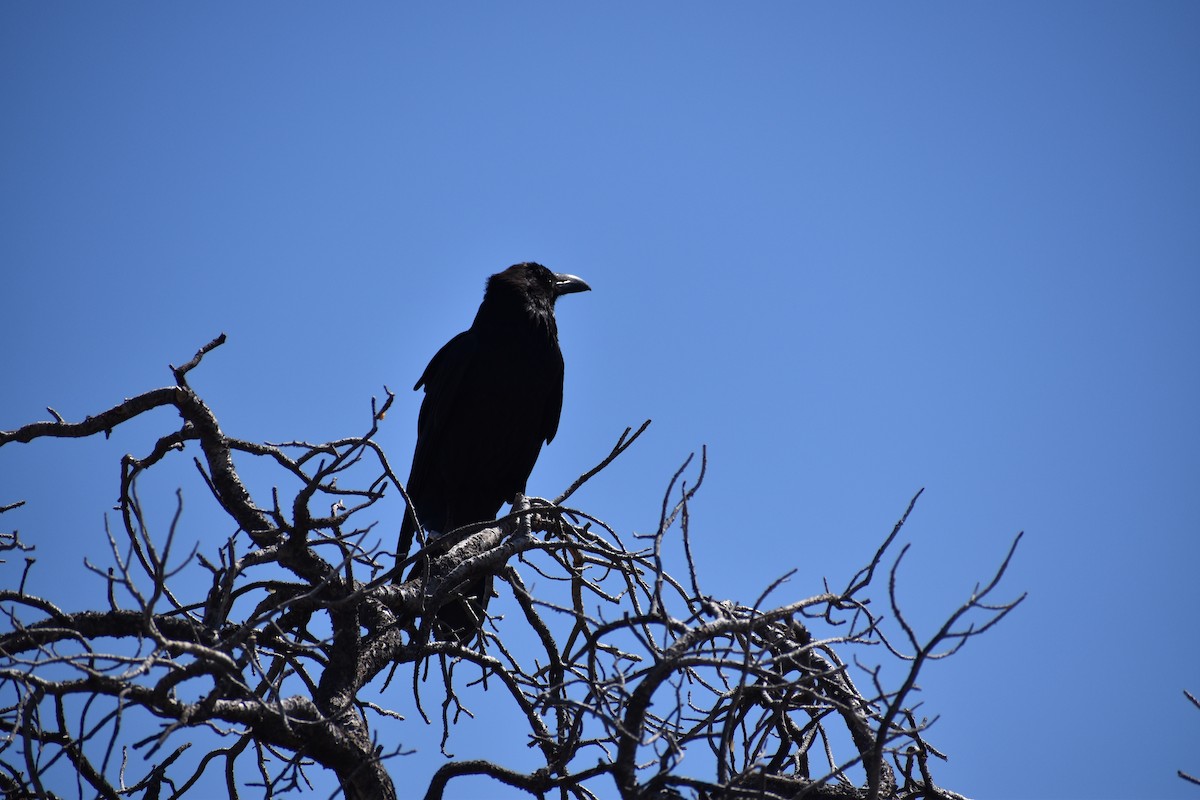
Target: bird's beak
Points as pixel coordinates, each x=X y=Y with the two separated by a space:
x=566 y=284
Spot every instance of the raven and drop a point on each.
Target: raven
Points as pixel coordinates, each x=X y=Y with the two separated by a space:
x=493 y=395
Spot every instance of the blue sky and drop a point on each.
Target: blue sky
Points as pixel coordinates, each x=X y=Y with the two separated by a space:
x=856 y=250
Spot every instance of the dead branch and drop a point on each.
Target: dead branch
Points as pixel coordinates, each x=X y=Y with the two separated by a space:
x=298 y=630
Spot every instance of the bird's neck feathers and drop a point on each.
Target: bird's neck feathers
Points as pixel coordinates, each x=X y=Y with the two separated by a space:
x=511 y=303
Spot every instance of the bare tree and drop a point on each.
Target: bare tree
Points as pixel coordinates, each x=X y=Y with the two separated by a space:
x=285 y=657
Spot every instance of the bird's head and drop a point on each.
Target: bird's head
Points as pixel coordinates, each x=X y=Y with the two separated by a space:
x=537 y=285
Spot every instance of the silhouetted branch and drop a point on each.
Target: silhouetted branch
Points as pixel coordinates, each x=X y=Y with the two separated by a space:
x=624 y=442
x=1187 y=777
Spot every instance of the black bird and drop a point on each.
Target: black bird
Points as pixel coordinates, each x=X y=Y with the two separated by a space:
x=493 y=395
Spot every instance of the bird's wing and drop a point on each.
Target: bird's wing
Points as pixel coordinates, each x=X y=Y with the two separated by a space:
x=442 y=380
x=443 y=377
x=554 y=401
